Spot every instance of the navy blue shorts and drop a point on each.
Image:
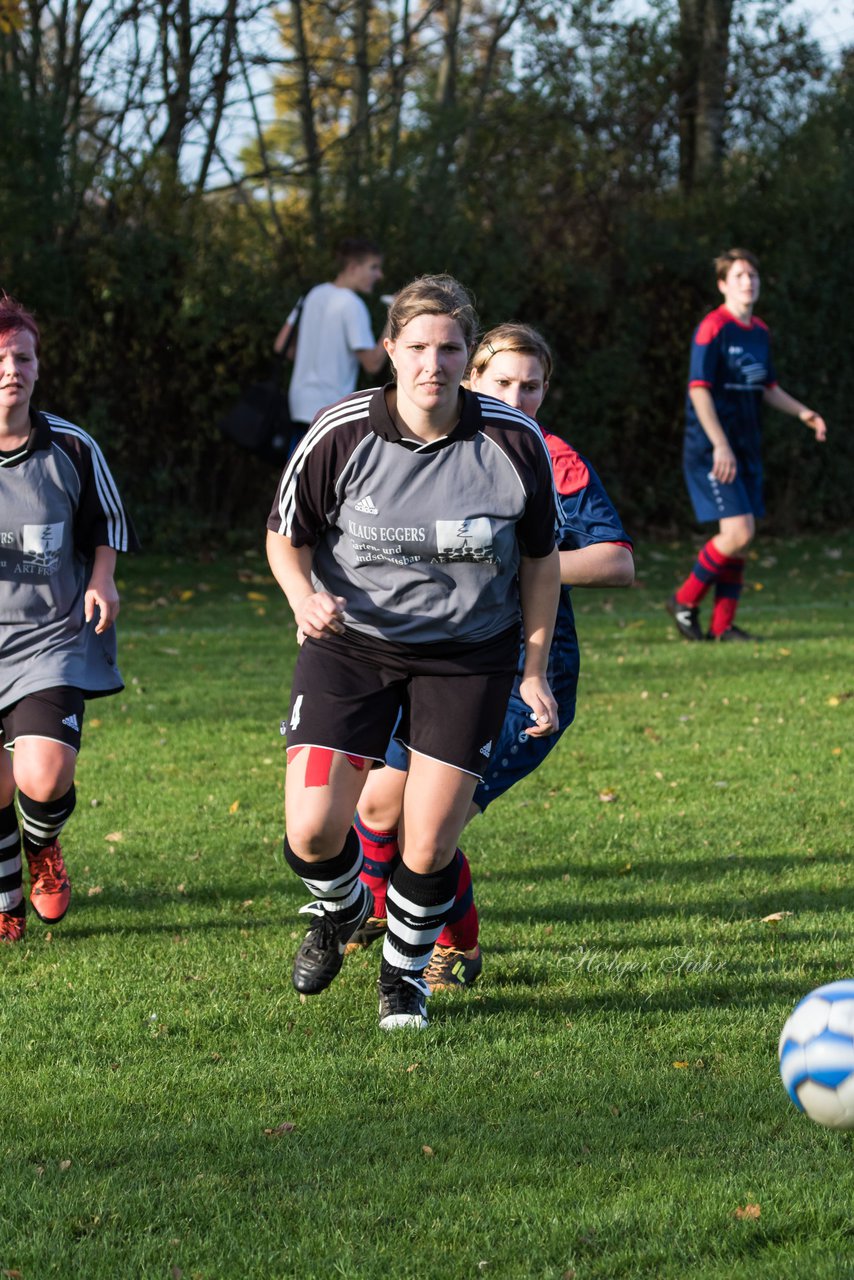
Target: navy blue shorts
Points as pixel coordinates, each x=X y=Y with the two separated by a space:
x=514 y=755
x=712 y=500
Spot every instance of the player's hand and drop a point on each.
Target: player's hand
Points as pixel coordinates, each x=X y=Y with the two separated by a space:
x=320 y=613
x=101 y=594
x=544 y=715
x=816 y=423
x=723 y=464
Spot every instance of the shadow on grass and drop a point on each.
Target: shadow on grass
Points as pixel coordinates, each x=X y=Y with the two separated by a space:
x=739 y=908
x=698 y=870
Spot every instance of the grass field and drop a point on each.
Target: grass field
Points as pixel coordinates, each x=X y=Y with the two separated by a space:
x=605 y=1103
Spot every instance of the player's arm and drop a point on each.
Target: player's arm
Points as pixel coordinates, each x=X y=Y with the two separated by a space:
x=373 y=359
x=283 y=338
x=539 y=591
x=602 y=564
x=723 y=459
x=316 y=612
x=777 y=398
x=101 y=591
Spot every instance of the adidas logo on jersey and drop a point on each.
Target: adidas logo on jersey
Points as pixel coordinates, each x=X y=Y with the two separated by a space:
x=72 y=722
x=366 y=506
x=486 y=749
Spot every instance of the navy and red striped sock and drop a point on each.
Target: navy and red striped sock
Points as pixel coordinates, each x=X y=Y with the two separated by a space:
x=727 y=595
x=461 y=926
x=382 y=854
x=704 y=574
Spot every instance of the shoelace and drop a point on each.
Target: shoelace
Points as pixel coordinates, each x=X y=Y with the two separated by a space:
x=10 y=926
x=49 y=871
x=400 y=1000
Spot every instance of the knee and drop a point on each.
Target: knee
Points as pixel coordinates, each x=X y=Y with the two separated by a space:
x=43 y=785
x=734 y=542
x=314 y=842
x=425 y=856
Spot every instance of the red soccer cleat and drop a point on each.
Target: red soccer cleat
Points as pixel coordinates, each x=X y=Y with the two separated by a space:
x=50 y=892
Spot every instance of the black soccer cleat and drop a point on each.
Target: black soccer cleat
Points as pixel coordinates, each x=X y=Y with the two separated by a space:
x=687 y=619
x=736 y=633
x=321 y=952
x=403 y=1003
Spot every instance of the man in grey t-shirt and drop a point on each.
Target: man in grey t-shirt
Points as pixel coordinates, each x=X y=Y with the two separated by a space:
x=333 y=334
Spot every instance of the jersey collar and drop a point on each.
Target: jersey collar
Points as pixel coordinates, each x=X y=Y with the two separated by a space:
x=39 y=438
x=382 y=423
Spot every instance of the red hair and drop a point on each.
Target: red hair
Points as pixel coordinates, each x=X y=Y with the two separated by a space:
x=14 y=317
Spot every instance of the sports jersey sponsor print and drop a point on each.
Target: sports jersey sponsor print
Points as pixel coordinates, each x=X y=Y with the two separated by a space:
x=421 y=539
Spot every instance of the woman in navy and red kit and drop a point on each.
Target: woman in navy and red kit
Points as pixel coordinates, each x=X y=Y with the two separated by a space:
x=731 y=376
x=513 y=364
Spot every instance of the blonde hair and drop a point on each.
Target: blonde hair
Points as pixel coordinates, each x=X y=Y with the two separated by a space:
x=440 y=295
x=518 y=338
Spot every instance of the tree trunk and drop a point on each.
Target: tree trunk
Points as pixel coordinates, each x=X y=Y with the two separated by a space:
x=704 y=27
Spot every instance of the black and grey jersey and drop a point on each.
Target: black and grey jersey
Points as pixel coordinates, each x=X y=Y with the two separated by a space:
x=58 y=502
x=422 y=540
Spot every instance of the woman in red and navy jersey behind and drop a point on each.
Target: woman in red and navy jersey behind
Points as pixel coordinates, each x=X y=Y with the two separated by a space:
x=412 y=531
x=61 y=524
x=731 y=376
x=512 y=363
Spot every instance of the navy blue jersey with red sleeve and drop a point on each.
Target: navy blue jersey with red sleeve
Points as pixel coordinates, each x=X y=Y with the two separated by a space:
x=733 y=361
x=586 y=515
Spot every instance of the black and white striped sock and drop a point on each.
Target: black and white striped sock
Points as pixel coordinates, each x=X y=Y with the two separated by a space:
x=43 y=820
x=11 y=892
x=418 y=907
x=335 y=883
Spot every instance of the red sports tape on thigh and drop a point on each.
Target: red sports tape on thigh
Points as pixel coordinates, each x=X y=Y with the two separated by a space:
x=320 y=762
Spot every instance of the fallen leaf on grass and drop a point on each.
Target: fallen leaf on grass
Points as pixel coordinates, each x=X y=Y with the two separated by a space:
x=413 y=1066
x=257 y=596
x=95 y=889
x=428 y=1151
x=280 y=1130
x=749 y=1211
x=608 y=796
x=776 y=916
x=94 y=724
x=13 y=1275
x=115 y=837
x=186 y=595
x=64 y=1165
x=232 y=808
x=680 y=1064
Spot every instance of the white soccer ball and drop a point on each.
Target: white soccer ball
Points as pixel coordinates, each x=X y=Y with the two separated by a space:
x=817 y=1055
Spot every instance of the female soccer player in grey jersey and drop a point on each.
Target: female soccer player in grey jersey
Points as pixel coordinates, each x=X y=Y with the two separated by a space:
x=61 y=524
x=411 y=531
